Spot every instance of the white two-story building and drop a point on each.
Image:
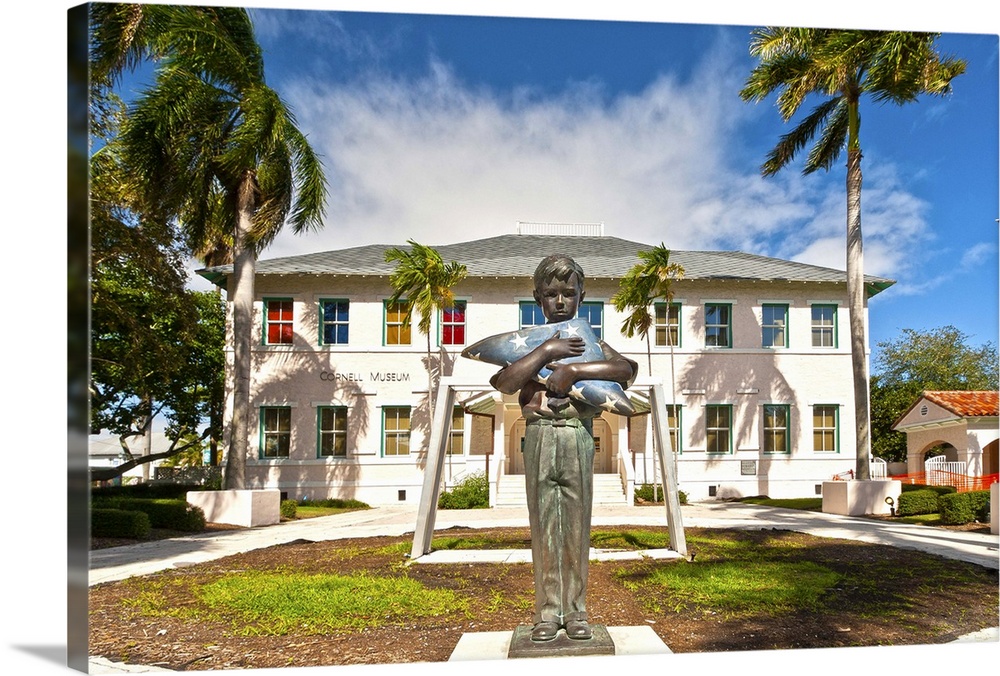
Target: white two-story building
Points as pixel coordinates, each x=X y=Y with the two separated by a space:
x=753 y=352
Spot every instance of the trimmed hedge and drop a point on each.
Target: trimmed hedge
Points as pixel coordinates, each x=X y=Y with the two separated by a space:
x=959 y=508
x=289 y=509
x=335 y=503
x=940 y=490
x=118 y=523
x=162 y=513
x=148 y=491
x=912 y=503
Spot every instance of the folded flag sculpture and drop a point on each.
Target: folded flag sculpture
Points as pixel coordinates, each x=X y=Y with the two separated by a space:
x=506 y=348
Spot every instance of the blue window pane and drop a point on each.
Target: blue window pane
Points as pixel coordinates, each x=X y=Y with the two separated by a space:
x=335 y=321
x=335 y=311
x=531 y=315
x=594 y=314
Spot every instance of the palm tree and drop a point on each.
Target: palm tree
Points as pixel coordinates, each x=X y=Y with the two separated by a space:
x=422 y=281
x=213 y=146
x=843 y=65
x=645 y=283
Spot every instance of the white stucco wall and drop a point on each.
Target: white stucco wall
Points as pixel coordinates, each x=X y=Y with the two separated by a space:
x=365 y=376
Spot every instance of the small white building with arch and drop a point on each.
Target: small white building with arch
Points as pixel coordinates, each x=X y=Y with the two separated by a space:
x=961 y=426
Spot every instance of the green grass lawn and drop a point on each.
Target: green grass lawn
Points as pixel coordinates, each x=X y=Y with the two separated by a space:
x=809 y=504
x=310 y=511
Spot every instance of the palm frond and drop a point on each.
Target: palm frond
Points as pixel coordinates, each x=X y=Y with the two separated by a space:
x=832 y=141
x=791 y=143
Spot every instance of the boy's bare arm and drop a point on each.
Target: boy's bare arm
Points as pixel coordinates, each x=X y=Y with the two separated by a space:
x=512 y=378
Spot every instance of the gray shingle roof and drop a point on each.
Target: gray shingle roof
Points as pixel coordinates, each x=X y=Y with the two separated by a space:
x=518 y=255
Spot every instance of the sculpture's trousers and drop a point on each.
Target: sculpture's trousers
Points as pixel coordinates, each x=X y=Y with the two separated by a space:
x=559 y=478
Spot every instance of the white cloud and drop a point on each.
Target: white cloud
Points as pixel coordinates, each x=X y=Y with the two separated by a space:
x=436 y=161
x=978 y=254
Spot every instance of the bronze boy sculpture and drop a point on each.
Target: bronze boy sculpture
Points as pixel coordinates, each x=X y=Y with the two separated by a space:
x=559 y=451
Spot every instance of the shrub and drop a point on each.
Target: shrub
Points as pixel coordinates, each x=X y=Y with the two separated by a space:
x=645 y=492
x=912 y=503
x=940 y=490
x=289 y=509
x=169 y=491
x=959 y=508
x=162 y=513
x=118 y=523
x=336 y=503
x=472 y=492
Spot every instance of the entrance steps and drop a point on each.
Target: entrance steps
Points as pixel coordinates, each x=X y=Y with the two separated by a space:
x=608 y=490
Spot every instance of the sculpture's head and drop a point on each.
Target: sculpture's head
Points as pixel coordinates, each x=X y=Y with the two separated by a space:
x=559 y=287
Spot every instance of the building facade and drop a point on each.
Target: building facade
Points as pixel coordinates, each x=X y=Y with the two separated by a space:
x=753 y=352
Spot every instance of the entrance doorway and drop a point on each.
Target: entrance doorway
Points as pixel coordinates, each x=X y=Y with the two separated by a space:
x=604 y=462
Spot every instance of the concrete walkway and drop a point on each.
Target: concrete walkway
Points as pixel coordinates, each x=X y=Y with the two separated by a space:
x=117 y=563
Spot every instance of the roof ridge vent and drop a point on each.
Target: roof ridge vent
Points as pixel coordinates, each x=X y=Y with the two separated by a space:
x=561 y=229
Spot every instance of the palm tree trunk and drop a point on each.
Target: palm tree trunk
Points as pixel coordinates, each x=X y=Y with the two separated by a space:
x=242 y=293
x=649 y=355
x=856 y=302
x=430 y=382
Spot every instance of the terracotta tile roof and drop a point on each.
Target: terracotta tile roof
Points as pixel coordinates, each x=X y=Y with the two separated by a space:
x=967 y=404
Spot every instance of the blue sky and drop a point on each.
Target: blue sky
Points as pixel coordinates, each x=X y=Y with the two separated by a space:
x=449 y=128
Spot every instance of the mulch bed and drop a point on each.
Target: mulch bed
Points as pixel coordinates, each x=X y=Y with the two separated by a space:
x=500 y=598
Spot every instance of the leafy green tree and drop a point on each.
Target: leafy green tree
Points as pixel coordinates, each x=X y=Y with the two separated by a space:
x=643 y=285
x=212 y=146
x=916 y=361
x=422 y=281
x=154 y=352
x=841 y=66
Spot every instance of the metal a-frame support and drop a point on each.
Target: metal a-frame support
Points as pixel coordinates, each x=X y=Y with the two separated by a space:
x=436 y=451
x=434 y=469
x=668 y=469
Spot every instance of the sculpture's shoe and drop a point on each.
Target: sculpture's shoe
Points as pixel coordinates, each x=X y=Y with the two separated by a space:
x=578 y=629
x=544 y=631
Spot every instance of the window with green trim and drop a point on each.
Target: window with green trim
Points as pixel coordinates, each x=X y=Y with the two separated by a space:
x=456 y=436
x=674 y=426
x=275 y=431
x=826 y=432
x=395 y=430
x=331 y=422
x=824 y=325
x=453 y=324
x=334 y=323
x=395 y=331
x=719 y=428
x=278 y=321
x=777 y=437
x=667 y=325
x=594 y=314
x=718 y=325
x=774 y=325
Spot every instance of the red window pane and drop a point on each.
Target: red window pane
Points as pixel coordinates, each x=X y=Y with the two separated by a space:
x=279 y=311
